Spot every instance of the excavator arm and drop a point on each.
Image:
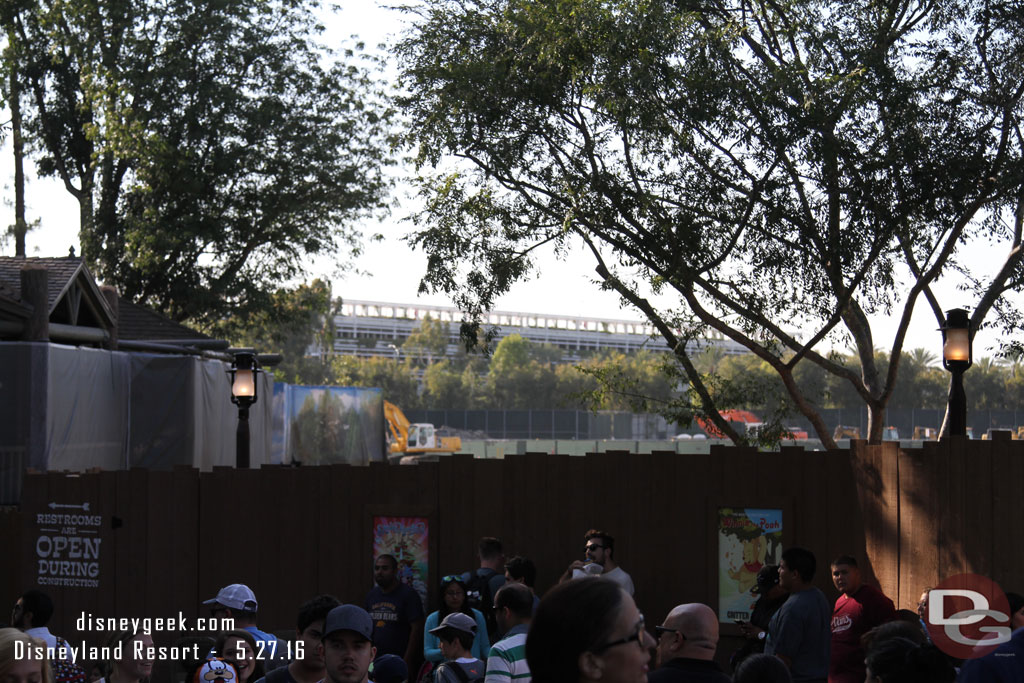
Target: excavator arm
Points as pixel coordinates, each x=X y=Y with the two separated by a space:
x=398 y=425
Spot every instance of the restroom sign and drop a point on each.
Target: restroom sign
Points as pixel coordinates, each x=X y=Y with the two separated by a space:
x=67 y=546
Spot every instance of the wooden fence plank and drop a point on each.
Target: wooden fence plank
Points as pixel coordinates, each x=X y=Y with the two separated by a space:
x=919 y=556
x=1007 y=484
x=874 y=471
x=974 y=489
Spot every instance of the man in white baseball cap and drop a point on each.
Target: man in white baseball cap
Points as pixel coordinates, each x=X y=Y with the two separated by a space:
x=238 y=602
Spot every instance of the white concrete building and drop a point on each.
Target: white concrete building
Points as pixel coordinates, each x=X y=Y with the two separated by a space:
x=377 y=328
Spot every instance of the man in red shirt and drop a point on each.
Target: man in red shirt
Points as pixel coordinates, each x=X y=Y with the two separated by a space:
x=859 y=609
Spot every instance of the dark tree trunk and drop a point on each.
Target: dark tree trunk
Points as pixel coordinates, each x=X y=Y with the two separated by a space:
x=18 y=143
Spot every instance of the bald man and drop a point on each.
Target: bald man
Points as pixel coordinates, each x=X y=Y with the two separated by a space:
x=686 y=647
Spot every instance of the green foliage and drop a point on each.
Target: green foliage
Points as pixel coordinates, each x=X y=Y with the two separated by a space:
x=783 y=170
x=395 y=379
x=293 y=322
x=212 y=146
x=443 y=387
x=521 y=374
x=427 y=342
x=516 y=378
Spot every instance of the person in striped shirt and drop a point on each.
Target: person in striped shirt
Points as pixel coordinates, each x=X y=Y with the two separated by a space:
x=513 y=608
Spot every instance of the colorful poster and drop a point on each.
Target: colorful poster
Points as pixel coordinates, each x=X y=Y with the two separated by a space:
x=748 y=539
x=405 y=538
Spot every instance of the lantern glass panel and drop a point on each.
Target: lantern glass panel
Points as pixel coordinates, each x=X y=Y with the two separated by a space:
x=244 y=384
x=957 y=345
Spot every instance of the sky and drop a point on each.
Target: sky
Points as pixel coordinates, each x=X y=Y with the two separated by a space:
x=392 y=270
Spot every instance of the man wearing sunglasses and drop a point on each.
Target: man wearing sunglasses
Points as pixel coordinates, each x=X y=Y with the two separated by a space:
x=686 y=647
x=599 y=558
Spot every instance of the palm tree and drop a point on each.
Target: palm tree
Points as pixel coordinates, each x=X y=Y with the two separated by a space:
x=922 y=358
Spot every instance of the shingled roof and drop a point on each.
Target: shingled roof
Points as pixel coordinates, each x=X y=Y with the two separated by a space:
x=11 y=305
x=141 y=323
x=69 y=278
x=62 y=273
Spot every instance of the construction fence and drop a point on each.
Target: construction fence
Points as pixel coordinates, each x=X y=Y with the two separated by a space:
x=585 y=424
x=148 y=543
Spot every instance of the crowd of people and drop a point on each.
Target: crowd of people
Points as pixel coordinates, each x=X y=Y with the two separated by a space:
x=492 y=628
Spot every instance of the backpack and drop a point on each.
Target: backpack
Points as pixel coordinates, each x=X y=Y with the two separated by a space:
x=63 y=670
x=459 y=672
x=478 y=596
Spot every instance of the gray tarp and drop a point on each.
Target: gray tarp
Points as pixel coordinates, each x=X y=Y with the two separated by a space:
x=73 y=408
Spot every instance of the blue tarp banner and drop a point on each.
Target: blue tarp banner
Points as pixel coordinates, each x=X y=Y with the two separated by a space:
x=315 y=425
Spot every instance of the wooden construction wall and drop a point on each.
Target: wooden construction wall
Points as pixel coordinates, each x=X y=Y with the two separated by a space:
x=169 y=540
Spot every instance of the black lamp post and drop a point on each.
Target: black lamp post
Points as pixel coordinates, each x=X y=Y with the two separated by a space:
x=244 y=369
x=956 y=357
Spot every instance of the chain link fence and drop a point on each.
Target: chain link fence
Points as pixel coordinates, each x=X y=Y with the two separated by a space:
x=582 y=424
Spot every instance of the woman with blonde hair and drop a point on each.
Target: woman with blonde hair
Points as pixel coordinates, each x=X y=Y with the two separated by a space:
x=22 y=669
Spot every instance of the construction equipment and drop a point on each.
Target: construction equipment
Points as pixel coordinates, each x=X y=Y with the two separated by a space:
x=926 y=434
x=796 y=433
x=846 y=432
x=744 y=417
x=751 y=425
x=411 y=442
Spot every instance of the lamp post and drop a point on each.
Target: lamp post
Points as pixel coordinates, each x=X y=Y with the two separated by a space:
x=244 y=369
x=956 y=357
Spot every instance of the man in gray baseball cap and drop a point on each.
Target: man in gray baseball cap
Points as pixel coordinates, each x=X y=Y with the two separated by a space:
x=347 y=645
x=456 y=633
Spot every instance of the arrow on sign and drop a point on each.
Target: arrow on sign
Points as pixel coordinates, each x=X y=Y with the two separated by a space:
x=84 y=507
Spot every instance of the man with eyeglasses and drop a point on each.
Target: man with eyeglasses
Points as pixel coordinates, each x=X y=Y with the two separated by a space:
x=513 y=606
x=686 y=647
x=599 y=553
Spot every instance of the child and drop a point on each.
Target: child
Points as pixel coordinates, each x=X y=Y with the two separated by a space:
x=456 y=633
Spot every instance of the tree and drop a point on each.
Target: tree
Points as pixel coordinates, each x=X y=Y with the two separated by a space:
x=922 y=384
x=777 y=172
x=211 y=146
x=442 y=387
x=988 y=385
x=11 y=92
x=396 y=380
x=294 y=323
x=516 y=378
x=428 y=340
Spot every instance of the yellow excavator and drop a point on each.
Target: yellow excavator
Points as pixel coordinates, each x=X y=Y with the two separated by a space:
x=411 y=442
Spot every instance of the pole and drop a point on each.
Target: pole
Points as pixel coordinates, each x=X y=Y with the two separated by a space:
x=957 y=403
x=242 y=439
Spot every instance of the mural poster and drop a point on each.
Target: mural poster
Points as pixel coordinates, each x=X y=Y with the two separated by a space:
x=407 y=539
x=748 y=539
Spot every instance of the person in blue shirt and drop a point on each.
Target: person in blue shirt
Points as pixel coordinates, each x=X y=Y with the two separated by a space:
x=453 y=599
